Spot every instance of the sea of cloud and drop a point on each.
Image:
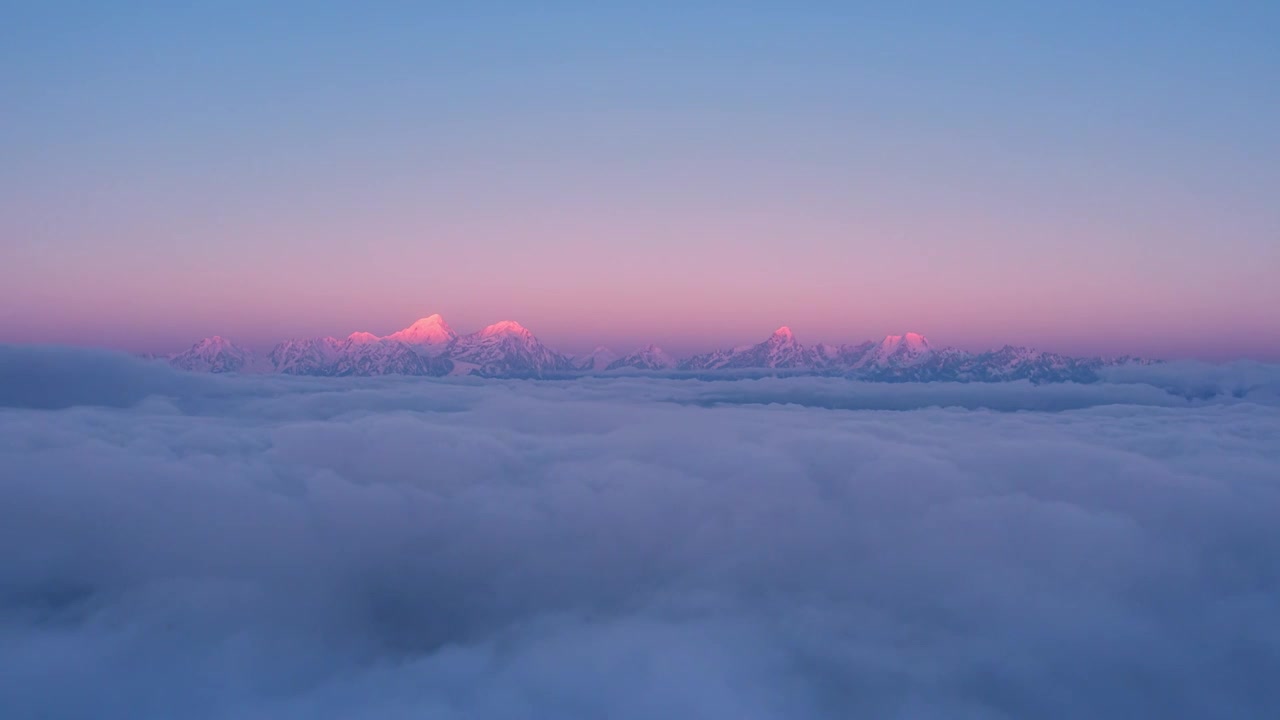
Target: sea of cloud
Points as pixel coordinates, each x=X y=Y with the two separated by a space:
x=192 y=546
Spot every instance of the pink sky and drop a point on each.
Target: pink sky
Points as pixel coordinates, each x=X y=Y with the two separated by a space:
x=611 y=177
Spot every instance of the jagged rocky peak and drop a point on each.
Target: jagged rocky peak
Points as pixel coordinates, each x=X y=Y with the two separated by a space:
x=312 y=356
x=214 y=354
x=649 y=357
x=508 y=349
x=780 y=350
x=387 y=357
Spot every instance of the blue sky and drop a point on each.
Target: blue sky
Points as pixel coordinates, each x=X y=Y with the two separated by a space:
x=1083 y=177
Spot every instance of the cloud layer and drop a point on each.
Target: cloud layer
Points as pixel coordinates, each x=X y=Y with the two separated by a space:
x=187 y=546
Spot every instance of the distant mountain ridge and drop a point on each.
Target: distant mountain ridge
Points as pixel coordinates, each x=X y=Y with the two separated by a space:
x=429 y=347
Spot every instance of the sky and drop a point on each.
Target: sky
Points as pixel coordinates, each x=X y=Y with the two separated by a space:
x=1082 y=177
x=265 y=547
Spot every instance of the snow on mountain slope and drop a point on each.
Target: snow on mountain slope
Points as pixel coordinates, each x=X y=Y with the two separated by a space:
x=508 y=348
x=1020 y=363
x=360 y=354
x=214 y=355
x=427 y=347
x=387 y=357
x=713 y=360
x=779 y=351
x=1006 y=364
x=848 y=355
x=314 y=356
x=649 y=357
x=431 y=334
x=899 y=351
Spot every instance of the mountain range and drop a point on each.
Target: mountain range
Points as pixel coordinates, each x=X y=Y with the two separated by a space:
x=430 y=347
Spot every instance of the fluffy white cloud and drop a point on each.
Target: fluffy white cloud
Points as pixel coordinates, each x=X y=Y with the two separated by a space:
x=218 y=547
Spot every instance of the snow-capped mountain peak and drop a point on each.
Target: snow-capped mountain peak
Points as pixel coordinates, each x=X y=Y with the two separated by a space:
x=307 y=357
x=914 y=342
x=906 y=349
x=779 y=350
x=214 y=354
x=508 y=349
x=430 y=330
x=505 y=327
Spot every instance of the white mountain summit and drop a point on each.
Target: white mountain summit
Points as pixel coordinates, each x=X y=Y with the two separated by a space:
x=430 y=332
x=214 y=355
x=779 y=351
x=507 y=348
x=900 y=350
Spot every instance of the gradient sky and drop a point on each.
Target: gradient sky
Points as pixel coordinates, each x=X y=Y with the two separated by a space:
x=1084 y=177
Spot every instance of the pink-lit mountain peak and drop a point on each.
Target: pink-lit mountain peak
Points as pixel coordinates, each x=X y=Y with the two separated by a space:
x=907 y=348
x=430 y=330
x=913 y=341
x=506 y=327
x=508 y=349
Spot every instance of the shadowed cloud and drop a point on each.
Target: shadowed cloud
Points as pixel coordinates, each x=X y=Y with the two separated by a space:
x=269 y=547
